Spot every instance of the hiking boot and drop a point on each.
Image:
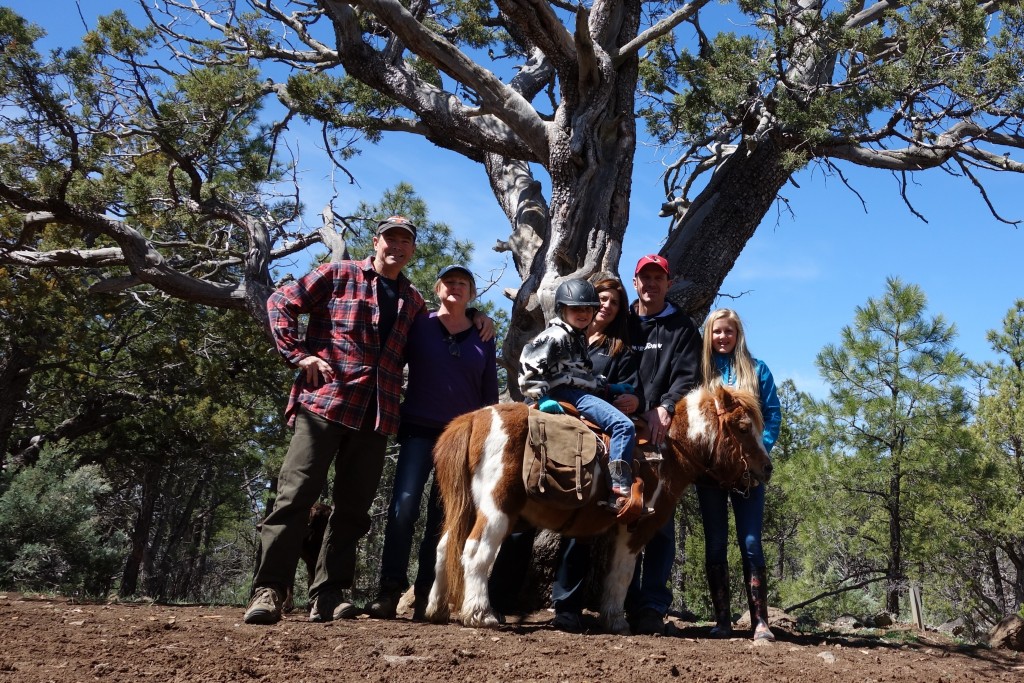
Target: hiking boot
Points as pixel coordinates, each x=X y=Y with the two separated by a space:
x=264 y=607
x=569 y=622
x=647 y=622
x=346 y=610
x=329 y=605
x=386 y=604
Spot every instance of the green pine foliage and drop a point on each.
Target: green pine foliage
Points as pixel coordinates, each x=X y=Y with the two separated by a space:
x=996 y=535
x=889 y=459
x=55 y=537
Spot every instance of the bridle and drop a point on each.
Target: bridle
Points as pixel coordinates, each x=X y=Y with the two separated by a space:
x=745 y=477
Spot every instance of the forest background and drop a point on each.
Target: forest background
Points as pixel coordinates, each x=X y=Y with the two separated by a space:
x=141 y=444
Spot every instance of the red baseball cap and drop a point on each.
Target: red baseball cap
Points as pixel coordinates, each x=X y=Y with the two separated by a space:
x=652 y=260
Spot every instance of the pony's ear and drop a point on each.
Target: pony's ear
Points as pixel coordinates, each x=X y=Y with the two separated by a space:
x=724 y=397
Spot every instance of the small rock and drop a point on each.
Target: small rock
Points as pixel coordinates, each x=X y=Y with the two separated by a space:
x=848 y=621
x=828 y=657
x=882 y=620
x=402 y=659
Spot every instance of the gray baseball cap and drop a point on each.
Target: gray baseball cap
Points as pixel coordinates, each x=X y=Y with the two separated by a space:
x=396 y=222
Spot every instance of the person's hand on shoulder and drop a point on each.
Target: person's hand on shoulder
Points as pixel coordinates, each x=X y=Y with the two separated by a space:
x=484 y=325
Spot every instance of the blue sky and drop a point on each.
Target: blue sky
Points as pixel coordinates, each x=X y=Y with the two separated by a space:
x=801 y=276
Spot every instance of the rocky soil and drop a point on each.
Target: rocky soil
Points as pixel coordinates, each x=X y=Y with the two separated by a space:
x=56 y=639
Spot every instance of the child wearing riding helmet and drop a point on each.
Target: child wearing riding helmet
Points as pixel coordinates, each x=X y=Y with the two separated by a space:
x=726 y=360
x=555 y=366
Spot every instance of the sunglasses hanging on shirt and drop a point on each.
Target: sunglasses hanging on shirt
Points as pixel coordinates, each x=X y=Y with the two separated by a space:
x=453 y=346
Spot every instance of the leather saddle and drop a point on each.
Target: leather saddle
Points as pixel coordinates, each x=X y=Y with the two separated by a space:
x=644 y=453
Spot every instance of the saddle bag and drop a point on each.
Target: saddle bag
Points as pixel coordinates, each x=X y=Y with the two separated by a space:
x=560 y=465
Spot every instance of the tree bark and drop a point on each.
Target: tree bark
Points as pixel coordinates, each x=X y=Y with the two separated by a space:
x=591 y=145
x=997 y=579
x=706 y=241
x=15 y=375
x=895 y=580
x=143 y=523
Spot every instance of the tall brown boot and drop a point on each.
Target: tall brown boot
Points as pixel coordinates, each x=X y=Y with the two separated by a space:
x=718 y=582
x=757 y=600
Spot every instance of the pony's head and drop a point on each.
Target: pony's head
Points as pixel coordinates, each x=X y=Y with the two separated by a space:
x=740 y=460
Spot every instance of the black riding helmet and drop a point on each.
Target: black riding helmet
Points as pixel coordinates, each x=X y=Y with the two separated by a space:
x=575 y=293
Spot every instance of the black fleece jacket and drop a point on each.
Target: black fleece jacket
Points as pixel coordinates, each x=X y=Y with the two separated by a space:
x=668 y=348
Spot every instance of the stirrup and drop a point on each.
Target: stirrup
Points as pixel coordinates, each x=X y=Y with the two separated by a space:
x=614 y=503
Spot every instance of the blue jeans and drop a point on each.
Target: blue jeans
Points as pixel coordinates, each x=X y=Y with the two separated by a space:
x=567 y=590
x=415 y=463
x=714 y=515
x=649 y=588
x=610 y=419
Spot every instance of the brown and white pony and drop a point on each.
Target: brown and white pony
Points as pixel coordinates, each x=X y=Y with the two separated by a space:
x=479 y=457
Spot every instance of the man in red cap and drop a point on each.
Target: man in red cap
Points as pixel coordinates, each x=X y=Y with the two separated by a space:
x=668 y=347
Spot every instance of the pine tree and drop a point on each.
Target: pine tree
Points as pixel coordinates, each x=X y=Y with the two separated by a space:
x=891 y=432
x=1000 y=428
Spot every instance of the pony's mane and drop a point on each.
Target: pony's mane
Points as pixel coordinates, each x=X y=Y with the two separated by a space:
x=751 y=404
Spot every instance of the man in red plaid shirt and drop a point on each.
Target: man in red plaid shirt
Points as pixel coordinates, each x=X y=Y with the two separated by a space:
x=343 y=406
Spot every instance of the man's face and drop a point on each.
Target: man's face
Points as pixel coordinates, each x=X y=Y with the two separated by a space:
x=651 y=286
x=394 y=249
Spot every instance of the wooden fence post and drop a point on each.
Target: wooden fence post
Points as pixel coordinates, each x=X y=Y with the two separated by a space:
x=915 y=606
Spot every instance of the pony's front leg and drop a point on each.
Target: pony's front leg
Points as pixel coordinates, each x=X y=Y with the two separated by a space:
x=616 y=582
x=438 y=603
x=477 y=558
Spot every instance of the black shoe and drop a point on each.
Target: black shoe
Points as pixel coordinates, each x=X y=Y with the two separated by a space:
x=569 y=622
x=385 y=606
x=647 y=622
x=721 y=631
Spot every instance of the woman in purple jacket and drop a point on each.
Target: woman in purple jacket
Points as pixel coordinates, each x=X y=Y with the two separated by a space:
x=451 y=372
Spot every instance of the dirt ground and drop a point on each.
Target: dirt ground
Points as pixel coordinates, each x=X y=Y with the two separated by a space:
x=46 y=639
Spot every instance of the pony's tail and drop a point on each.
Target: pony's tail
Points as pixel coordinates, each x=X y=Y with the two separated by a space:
x=451 y=462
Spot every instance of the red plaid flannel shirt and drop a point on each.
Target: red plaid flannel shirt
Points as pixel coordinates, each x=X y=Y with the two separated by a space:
x=341 y=300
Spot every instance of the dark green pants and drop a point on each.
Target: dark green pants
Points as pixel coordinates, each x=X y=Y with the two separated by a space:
x=359 y=460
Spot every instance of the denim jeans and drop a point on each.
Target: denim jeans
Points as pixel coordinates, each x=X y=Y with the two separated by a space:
x=358 y=456
x=415 y=463
x=714 y=515
x=610 y=419
x=649 y=588
x=567 y=590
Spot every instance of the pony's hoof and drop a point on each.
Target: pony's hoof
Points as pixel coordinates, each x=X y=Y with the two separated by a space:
x=481 y=620
x=763 y=635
